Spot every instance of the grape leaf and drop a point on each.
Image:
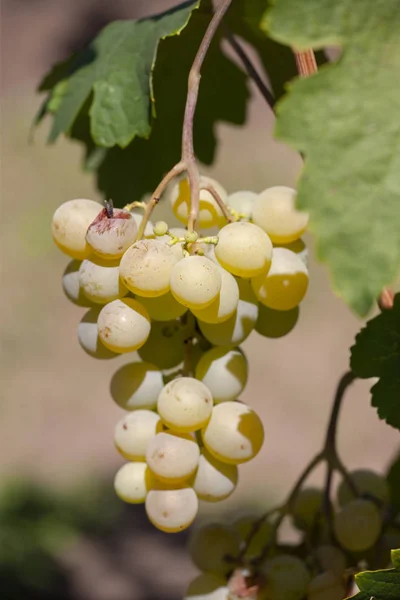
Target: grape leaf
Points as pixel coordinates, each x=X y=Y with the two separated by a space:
x=380 y=585
x=345 y=121
x=376 y=353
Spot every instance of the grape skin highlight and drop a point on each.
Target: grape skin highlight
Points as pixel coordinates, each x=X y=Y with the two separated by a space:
x=275 y=212
x=185 y=404
x=123 y=325
x=133 y=482
x=244 y=249
x=134 y=432
x=172 y=457
x=99 y=280
x=171 y=510
x=224 y=372
x=69 y=225
x=195 y=281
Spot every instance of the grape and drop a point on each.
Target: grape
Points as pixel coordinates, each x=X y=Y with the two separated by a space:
x=160 y=228
x=210 y=214
x=163 y=308
x=191 y=237
x=357 y=525
x=299 y=248
x=242 y=202
x=224 y=372
x=99 y=280
x=210 y=544
x=109 y=237
x=275 y=212
x=331 y=559
x=165 y=345
x=238 y=327
x=133 y=482
x=207 y=587
x=124 y=325
x=276 y=323
x=172 y=457
x=195 y=281
x=185 y=404
x=146 y=268
x=136 y=385
x=285 y=286
x=307 y=507
x=224 y=304
x=326 y=586
x=134 y=432
x=287 y=578
x=214 y=480
x=69 y=226
x=171 y=510
x=366 y=482
x=88 y=336
x=244 y=525
x=234 y=433
x=244 y=249
x=71 y=287
x=137 y=215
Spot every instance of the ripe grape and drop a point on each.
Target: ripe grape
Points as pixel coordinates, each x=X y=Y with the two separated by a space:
x=224 y=372
x=287 y=578
x=224 y=304
x=69 y=226
x=133 y=482
x=210 y=214
x=331 y=559
x=195 y=281
x=172 y=457
x=286 y=283
x=171 y=510
x=165 y=346
x=326 y=586
x=307 y=507
x=242 y=202
x=123 y=325
x=357 y=525
x=71 y=287
x=244 y=249
x=210 y=544
x=275 y=212
x=245 y=524
x=136 y=385
x=214 y=480
x=109 y=237
x=207 y=587
x=366 y=482
x=276 y=323
x=163 y=308
x=99 y=280
x=88 y=336
x=185 y=404
x=299 y=248
x=234 y=433
x=146 y=267
x=134 y=432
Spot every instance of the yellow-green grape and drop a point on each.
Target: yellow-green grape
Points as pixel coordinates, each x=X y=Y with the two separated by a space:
x=276 y=323
x=326 y=586
x=165 y=346
x=210 y=214
x=171 y=510
x=242 y=202
x=134 y=431
x=234 y=433
x=123 y=325
x=366 y=482
x=298 y=247
x=109 y=237
x=99 y=280
x=307 y=507
x=332 y=559
x=286 y=283
x=357 y=525
x=185 y=404
x=191 y=237
x=88 y=336
x=214 y=480
x=275 y=212
x=210 y=544
x=207 y=587
x=245 y=524
x=287 y=578
x=224 y=304
x=224 y=372
x=244 y=249
x=195 y=281
x=163 y=308
x=71 y=287
x=146 y=267
x=133 y=482
x=137 y=215
x=69 y=226
x=160 y=228
x=172 y=457
x=136 y=385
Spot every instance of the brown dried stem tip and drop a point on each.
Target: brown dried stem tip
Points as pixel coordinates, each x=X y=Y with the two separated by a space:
x=386 y=299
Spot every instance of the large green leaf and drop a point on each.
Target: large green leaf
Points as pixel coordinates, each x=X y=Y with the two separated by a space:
x=376 y=353
x=380 y=585
x=345 y=121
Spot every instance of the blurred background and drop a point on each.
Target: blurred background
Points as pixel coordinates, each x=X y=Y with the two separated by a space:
x=63 y=533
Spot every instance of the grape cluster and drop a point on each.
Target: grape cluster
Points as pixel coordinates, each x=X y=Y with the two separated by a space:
x=184 y=303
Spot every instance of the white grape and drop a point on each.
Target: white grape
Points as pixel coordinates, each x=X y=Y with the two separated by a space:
x=244 y=249
x=99 y=280
x=224 y=372
x=207 y=587
x=123 y=325
x=234 y=433
x=172 y=457
x=163 y=308
x=171 y=510
x=210 y=214
x=134 y=431
x=195 y=281
x=242 y=202
x=286 y=283
x=133 y=482
x=146 y=267
x=287 y=578
x=160 y=228
x=137 y=215
x=275 y=212
x=71 y=287
x=210 y=544
x=307 y=507
x=331 y=559
x=185 y=404
x=245 y=524
x=224 y=304
x=326 y=586
x=88 y=336
x=69 y=226
x=366 y=482
x=165 y=346
x=299 y=248
x=357 y=525
x=136 y=385
x=276 y=323
x=214 y=480
x=109 y=237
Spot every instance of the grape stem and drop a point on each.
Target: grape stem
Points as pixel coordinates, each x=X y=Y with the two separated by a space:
x=225 y=210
